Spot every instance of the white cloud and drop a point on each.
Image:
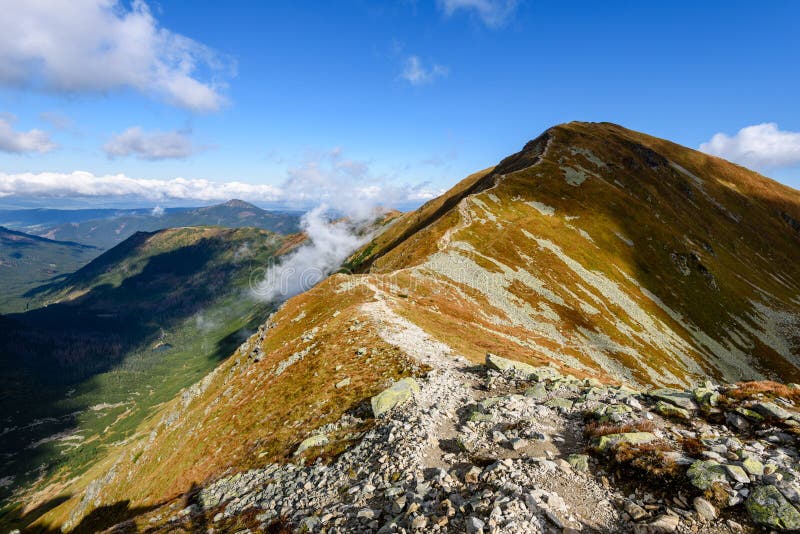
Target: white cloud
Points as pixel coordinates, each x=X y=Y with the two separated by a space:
x=329 y=244
x=761 y=146
x=157 y=211
x=76 y=46
x=347 y=186
x=23 y=142
x=79 y=184
x=493 y=13
x=329 y=178
x=416 y=73
x=149 y=145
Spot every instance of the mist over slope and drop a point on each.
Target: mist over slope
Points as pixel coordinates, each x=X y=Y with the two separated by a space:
x=595 y=251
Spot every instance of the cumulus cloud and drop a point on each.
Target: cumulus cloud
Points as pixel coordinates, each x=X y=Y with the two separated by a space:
x=157 y=211
x=493 y=13
x=23 y=142
x=77 y=46
x=416 y=73
x=149 y=145
x=760 y=146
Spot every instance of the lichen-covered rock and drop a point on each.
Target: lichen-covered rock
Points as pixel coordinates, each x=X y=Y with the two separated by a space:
x=753 y=466
x=750 y=414
x=681 y=399
x=317 y=440
x=399 y=392
x=670 y=410
x=579 y=462
x=705 y=473
x=536 y=392
x=610 y=412
x=632 y=438
x=767 y=506
x=706 y=396
x=478 y=417
x=498 y=363
x=737 y=474
x=770 y=410
x=486 y=404
x=559 y=403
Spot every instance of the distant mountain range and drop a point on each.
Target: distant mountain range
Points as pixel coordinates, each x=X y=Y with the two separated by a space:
x=104 y=228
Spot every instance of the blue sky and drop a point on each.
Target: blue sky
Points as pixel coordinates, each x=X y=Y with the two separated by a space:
x=401 y=98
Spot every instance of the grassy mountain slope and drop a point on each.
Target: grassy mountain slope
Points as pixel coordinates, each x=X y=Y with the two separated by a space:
x=107 y=232
x=616 y=253
x=27 y=261
x=117 y=339
x=607 y=253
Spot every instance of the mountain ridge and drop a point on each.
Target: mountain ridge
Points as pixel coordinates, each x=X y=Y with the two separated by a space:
x=600 y=254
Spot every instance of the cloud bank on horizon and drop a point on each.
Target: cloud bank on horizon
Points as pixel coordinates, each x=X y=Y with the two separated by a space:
x=327 y=178
x=760 y=146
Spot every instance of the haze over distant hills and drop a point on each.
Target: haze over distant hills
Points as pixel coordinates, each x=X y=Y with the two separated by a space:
x=105 y=228
x=594 y=265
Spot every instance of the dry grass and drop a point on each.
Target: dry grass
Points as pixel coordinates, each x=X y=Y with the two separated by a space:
x=596 y=430
x=262 y=417
x=647 y=458
x=717 y=495
x=692 y=447
x=765 y=388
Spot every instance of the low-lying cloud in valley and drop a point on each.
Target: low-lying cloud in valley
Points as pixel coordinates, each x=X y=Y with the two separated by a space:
x=328 y=245
x=347 y=201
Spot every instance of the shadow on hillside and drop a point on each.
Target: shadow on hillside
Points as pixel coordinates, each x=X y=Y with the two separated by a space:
x=48 y=285
x=46 y=353
x=15 y=519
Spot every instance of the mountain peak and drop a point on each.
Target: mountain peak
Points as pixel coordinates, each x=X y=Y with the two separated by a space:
x=236 y=203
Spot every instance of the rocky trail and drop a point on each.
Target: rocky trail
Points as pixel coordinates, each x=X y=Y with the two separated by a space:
x=507 y=447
